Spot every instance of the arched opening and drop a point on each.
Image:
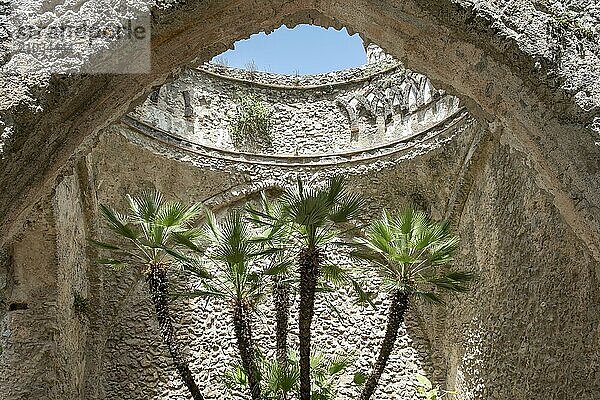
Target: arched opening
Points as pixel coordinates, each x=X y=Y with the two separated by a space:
x=377 y=107
x=301 y=50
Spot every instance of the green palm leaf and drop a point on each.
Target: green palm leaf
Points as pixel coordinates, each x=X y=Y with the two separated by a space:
x=154 y=230
x=408 y=249
x=145 y=206
x=118 y=223
x=347 y=208
x=456 y=281
x=429 y=296
x=193 y=239
x=334 y=274
x=278 y=268
x=115 y=264
x=174 y=214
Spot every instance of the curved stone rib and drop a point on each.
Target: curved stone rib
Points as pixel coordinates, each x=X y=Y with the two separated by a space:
x=454 y=120
x=229 y=75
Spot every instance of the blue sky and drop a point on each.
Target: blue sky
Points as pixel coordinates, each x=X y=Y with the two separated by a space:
x=305 y=49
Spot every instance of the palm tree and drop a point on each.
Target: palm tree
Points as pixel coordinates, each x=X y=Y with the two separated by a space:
x=146 y=233
x=409 y=252
x=307 y=219
x=273 y=238
x=237 y=281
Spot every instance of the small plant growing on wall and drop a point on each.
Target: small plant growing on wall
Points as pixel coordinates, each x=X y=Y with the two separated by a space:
x=252 y=69
x=252 y=126
x=567 y=21
x=426 y=390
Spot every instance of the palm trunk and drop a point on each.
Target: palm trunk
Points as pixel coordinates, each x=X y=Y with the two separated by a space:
x=157 y=281
x=243 y=333
x=282 y=310
x=395 y=318
x=282 y=313
x=309 y=261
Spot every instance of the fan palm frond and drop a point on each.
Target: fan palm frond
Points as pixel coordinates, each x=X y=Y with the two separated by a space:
x=235 y=377
x=194 y=239
x=455 y=281
x=338 y=364
x=193 y=264
x=144 y=207
x=282 y=267
x=408 y=249
x=211 y=227
x=233 y=251
x=408 y=221
x=335 y=188
x=430 y=297
x=118 y=223
x=176 y=215
x=347 y=208
x=334 y=274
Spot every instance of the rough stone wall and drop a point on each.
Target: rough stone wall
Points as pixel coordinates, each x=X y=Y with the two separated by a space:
x=499 y=56
x=375 y=54
x=504 y=61
x=132 y=343
x=359 y=332
x=323 y=114
x=30 y=320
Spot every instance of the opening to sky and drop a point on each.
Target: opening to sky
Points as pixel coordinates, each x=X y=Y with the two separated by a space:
x=303 y=50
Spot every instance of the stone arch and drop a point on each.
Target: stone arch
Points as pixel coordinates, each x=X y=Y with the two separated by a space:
x=537 y=126
x=485 y=68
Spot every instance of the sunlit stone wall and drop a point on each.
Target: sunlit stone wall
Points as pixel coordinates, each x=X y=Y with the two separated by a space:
x=132 y=346
x=338 y=112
